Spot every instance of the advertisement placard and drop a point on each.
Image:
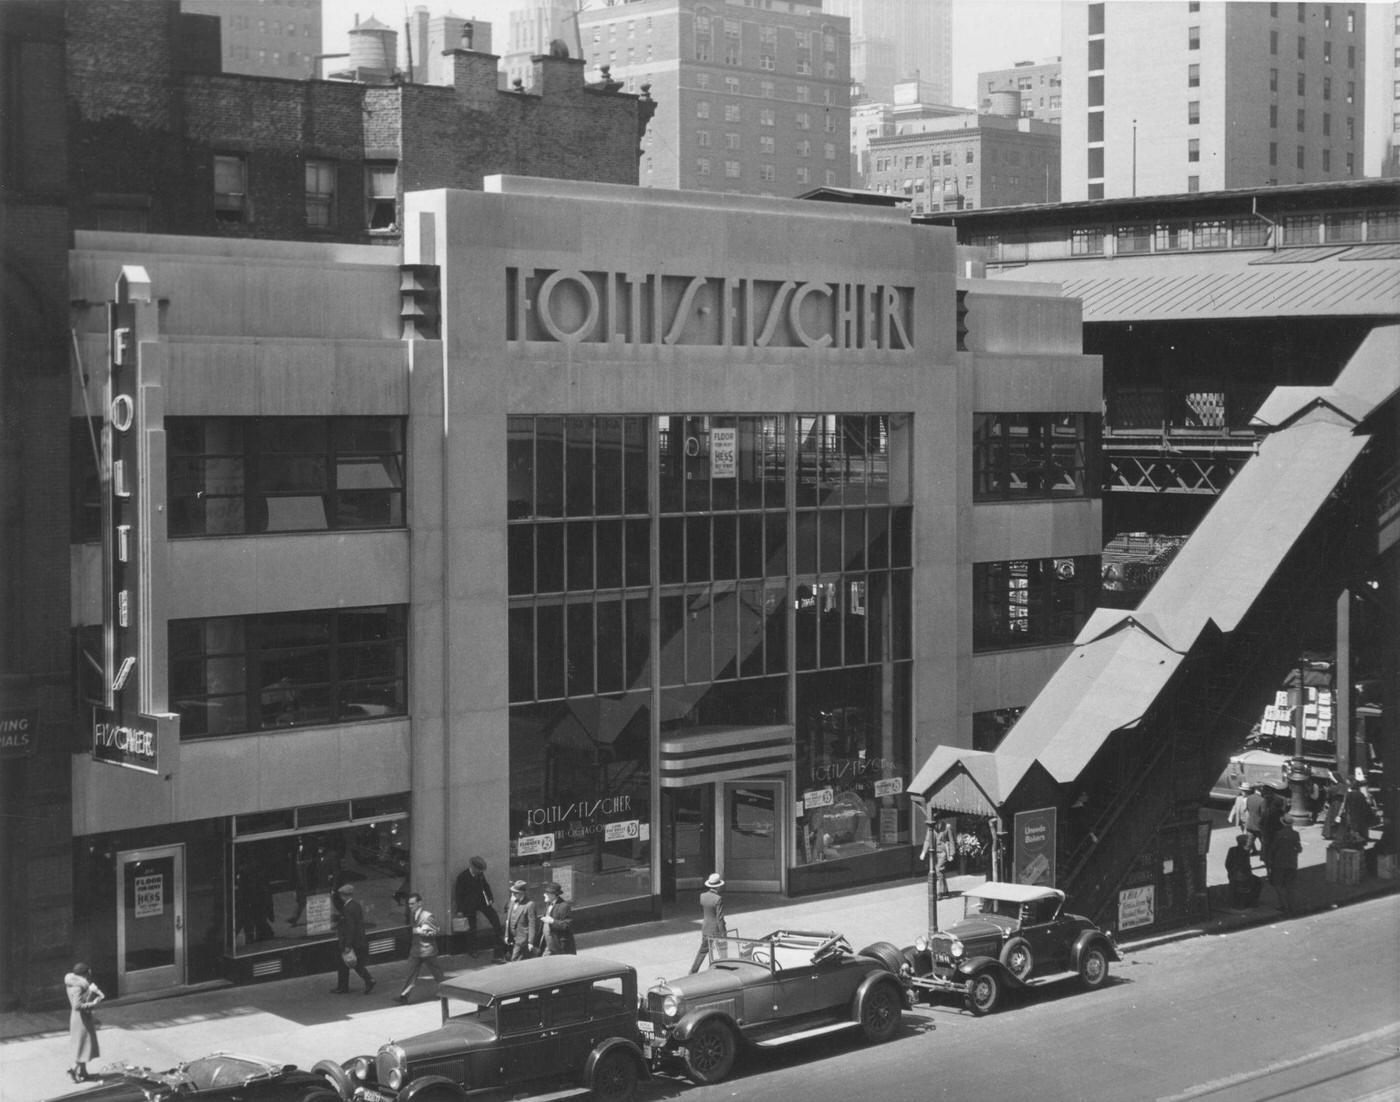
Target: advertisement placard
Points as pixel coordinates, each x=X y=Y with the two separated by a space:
x=320 y=915
x=531 y=845
x=1137 y=907
x=722 y=451
x=1033 y=849
x=150 y=896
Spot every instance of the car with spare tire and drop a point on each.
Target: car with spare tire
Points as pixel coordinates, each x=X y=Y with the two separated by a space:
x=787 y=986
x=1011 y=937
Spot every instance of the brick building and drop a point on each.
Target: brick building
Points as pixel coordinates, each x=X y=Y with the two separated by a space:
x=120 y=120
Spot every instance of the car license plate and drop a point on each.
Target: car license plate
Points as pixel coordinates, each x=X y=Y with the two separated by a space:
x=646 y=1027
x=943 y=958
x=364 y=1094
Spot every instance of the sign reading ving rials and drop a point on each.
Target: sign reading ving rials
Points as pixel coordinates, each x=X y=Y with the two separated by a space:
x=569 y=306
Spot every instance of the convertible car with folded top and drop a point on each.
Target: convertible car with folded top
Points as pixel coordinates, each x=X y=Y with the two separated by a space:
x=221 y=1077
x=787 y=986
x=1011 y=937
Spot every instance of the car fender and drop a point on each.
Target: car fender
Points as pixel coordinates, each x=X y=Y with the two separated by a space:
x=431 y=1084
x=1094 y=937
x=869 y=984
x=337 y=1076
x=689 y=1023
x=612 y=1044
x=975 y=966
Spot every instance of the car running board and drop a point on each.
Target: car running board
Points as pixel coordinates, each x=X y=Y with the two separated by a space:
x=1053 y=977
x=802 y=1035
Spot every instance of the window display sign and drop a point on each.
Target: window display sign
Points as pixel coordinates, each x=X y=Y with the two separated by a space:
x=891 y=787
x=723 y=446
x=1033 y=854
x=320 y=915
x=532 y=845
x=150 y=896
x=621 y=832
x=1137 y=907
x=818 y=797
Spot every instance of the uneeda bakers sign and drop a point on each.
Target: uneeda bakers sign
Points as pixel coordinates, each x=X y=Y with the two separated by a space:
x=570 y=306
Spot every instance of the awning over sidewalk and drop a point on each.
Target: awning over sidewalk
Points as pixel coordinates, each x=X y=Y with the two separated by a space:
x=968 y=782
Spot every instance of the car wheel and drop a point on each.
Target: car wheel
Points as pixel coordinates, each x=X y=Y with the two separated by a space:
x=319 y=1094
x=1093 y=967
x=709 y=1054
x=336 y=1077
x=880 y=1013
x=983 y=993
x=887 y=954
x=1017 y=957
x=615 y=1078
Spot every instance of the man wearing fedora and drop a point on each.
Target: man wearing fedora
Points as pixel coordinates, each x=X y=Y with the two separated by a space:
x=712 y=926
x=557 y=924
x=422 y=952
x=472 y=896
x=354 y=942
x=522 y=924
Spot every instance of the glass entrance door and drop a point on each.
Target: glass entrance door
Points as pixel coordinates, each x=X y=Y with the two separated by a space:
x=752 y=858
x=690 y=827
x=151 y=918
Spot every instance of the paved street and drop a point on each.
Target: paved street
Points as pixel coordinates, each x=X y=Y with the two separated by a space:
x=1228 y=1013
x=1303 y=1008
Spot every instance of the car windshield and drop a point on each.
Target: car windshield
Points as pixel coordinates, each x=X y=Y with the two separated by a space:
x=778 y=950
x=213 y=1072
x=458 y=1009
x=1003 y=907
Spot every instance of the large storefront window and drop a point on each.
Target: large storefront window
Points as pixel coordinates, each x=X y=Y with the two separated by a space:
x=240 y=475
x=853 y=761
x=1032 y=602
x=287 y=864
x=231 y=674
x=1033 y=455
x=768 y=537
x=581 y=796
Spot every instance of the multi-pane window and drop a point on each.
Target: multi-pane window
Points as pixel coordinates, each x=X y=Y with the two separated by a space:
x=246 y=475
x=1302 y=84
x=320 y=194
x=767 y=116
x=702 y=166
x=1193 y=38
x=702 y=137
x=704 y=35
x=731 y=141
x=1033 y=455
x=381 y=195
x=1032 y=602
x=1193 y=75
x=804 y=52
x=230 y=188
x=731 y=85
x=1193 y=112
x=1193 y=149
x=767 y=46
x=732 y=53
x=767 y=145
x=767 y=173
x=733 y=112
x=702 y=109
x=732 y=169
x=1210 y=234
x=233 y=674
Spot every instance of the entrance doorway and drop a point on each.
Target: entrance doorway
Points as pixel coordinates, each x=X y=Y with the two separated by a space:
x=150 y=919
x=734 y=827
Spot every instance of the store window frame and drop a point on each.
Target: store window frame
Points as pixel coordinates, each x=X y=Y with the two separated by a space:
x=1020 y=603
x=284 y=474
x=242 y=675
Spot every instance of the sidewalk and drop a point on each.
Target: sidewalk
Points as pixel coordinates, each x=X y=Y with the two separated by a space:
x=299 y=1021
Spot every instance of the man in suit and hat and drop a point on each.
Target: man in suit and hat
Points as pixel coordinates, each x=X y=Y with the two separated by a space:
x=472 y=896
x=712 y=924
x=522 y=924
x=422 y=951
x=353 y=940
x=557 y=924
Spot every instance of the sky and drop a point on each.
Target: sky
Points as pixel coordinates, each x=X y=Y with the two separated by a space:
x=987 y=34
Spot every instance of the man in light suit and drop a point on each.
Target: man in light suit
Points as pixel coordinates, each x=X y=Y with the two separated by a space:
x=423 y=952
x=522 y=924
x=557 y=933
x=712 y=927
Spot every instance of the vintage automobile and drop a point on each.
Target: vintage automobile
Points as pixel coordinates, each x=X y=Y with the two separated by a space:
x=768 y=991
x=221 y=1077
x=1012 y=936
x=542 y=1025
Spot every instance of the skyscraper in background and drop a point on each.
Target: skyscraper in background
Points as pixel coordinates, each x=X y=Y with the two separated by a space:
x=1169 y=98
x=749 y=99
x=277 y=38
x=899 y=40
x=531 y=26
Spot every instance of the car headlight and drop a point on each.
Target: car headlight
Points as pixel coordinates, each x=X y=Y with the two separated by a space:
x=396 y=1078
x=956 y=949
x=360 y=1068
x=921 y=943
x=671 y=1006
x=394 y=1057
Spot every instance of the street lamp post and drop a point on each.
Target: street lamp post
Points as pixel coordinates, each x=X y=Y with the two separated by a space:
x=1299 y=814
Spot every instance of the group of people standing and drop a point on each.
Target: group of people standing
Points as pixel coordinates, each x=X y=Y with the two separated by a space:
x=530 y=929
x=1261 y=813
